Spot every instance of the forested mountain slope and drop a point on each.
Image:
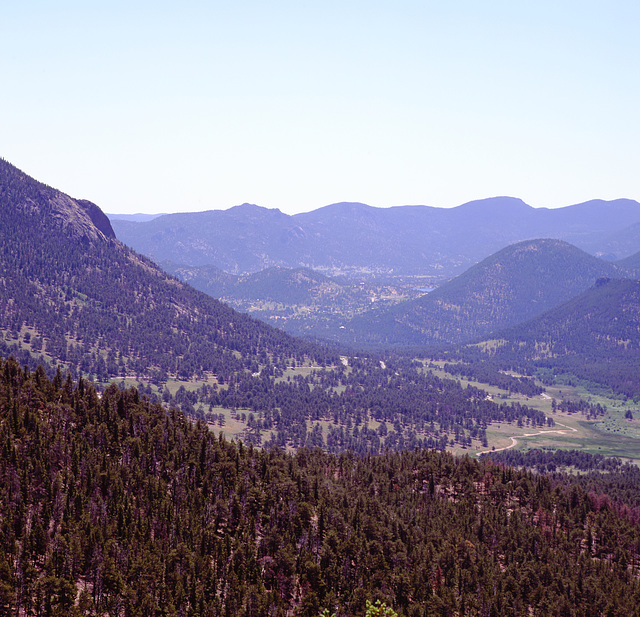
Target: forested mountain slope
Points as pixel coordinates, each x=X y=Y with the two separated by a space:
x=70 y=290
x=595 y=336
x=112 y=506
x=360 y=240
x=515 y=284
x=71 y=295
x=631 y=264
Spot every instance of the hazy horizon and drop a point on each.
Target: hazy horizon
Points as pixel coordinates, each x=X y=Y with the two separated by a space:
x=302 y=211
x=157 y=107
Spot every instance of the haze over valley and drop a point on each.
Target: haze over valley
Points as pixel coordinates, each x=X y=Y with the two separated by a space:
x=319 y=274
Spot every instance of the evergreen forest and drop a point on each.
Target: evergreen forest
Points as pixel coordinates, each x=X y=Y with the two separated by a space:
x=112 y=506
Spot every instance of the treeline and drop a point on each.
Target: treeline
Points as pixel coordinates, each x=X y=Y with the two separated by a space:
x=590 y=410
x=110 y=505
x=552 y=460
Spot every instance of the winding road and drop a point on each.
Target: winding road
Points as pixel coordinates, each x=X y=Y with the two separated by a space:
x=514 y=440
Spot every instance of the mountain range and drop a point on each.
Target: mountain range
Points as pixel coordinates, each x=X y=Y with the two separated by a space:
x=76 y=300
x=72 y=293
x=359 y=240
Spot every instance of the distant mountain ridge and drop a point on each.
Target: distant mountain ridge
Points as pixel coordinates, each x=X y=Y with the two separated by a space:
x=277 y=284
x=136 y=218
x=357 y=239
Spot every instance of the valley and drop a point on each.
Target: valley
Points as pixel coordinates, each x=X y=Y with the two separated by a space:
x=300 y=301
x=471 y=449
x=612 y=434
x=182 y=348
x=352 y=274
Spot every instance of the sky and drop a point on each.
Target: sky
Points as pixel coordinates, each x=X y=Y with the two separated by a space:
x=156 y=106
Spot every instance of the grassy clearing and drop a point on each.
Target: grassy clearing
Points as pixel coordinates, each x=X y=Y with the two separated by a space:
x=617 y=424
x=233 y=426
x=613 y=435
x=304 y=371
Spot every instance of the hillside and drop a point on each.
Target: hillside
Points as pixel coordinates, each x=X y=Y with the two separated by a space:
x=362 y=241
x=631 y=264
x=72 y=293
x=208 y=279
x=509 y=287
x=111 y=506
x=233 y=240
x=595 y=336
x=276 y=284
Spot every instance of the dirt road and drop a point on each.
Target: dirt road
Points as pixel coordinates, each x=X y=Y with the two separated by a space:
x=514 y=440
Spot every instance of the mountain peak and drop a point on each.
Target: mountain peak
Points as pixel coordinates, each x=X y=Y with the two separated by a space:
x=341 y=208
x=502 y=204
x=252 y=208
x=508 y=287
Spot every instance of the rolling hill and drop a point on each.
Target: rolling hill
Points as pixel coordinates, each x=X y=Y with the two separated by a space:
x=275 y=284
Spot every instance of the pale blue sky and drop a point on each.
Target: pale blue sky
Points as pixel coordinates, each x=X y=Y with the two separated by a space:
x=165 y=106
